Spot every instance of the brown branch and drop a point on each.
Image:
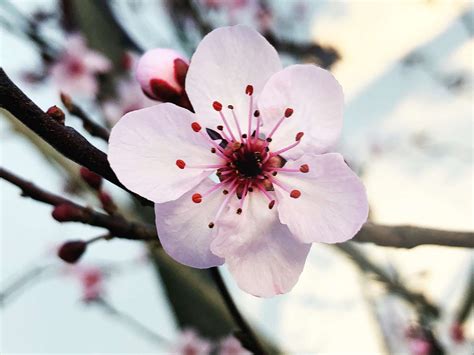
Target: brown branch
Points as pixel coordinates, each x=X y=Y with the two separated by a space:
x=74 y=146
x=118 y=226
x=88 y=123
x=64 y=139
x=410 y=236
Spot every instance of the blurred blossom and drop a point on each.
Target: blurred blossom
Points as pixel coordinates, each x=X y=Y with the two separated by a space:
x=231 y=346
x=189 y=343
x=129 y=98
x=161 y=73
x=92 y=282
x=164 y=154
x=457 y=333
x=76 y=68
x=419 y=346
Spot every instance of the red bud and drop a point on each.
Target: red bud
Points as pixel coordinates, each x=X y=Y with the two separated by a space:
x=66 y=213
x=72 y=251
x=91 y=178
x=56 y=114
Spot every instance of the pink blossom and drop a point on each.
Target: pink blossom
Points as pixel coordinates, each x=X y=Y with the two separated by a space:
x=419 y=346
x=75 y=70
x=161 y=73
x=190 y=343
x=129 y=98
x=92 y=282
x=248 y=179
x=231 y=346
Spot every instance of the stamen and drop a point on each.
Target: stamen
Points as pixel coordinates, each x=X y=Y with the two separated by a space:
x=288 y=113
x=236 y=121
x=180 y=163
x=207 y=166
x=267 y=195
x=293 y=192
x=224 y=203
x=291 y=146
x=249 y=91
x=226 y=124
x=219 y=151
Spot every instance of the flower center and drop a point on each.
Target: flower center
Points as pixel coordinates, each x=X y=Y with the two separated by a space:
x=248 y=165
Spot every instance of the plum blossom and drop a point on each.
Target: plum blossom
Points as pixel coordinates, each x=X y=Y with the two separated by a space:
x=129 y=98
x=249 y=178
x=75 y=70
x=231 y=346
x=190 y=343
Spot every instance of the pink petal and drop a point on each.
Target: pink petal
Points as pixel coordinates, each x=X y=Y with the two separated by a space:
x=317 y=101
x=183 y=230
x=260 y=252
x=333 y=203
x=145 y=145
x=96 y=62
x=225 y=62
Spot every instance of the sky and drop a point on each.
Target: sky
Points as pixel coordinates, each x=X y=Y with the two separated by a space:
x=408 y=135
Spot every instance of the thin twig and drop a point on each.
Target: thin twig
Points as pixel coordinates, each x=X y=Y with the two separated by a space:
x=118 y=226
x=95 y=129
x=249 y=336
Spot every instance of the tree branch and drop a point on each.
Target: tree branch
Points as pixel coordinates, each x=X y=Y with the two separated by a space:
x=64 y=139
x=74 y=146
x=118 y=226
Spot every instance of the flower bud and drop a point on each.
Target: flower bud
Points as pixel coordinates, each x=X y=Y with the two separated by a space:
x=107 y=202
x=56 y=114
x=67 y=213
x=72 y=251
x=161 y=73
x=67 y=101
x=91 y=178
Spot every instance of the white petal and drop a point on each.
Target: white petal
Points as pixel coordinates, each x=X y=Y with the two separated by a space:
x=225 y=62
x=318 y=104
x=260 y=252
x=183 y=230
x=145 y=145
x=333 y=203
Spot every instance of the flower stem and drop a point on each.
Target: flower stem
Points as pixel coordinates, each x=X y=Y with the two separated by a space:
x=251 y=338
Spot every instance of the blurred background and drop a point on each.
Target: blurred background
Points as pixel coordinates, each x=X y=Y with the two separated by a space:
x=406 y=68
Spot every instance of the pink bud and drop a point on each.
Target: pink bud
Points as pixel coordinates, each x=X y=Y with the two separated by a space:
x=72 y=251
x=161 y=73
x=91 y=178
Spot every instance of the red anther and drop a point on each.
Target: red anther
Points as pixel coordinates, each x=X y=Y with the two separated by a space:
x=274 y=173
x=299 y=136
x=268 y=140
x=295 y=193
x=230 y=107
x=72 y=251
x=225 y=192
x=91 y=178
x=220 y=128
x=267 y=184
x=256 y=113
x=244 y=135
x=249 y=90
x=180 y=163
x=211 y=225
x=288 y=112
x=217 y=106
x=250 y=189
x=239 y=211
x=196 y=126
x=213 y=150
x=271 y=204
x=197 y=198
x=304 y=168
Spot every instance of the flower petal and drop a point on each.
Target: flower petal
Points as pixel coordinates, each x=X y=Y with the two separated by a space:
x=183 y=230
x=317 y=101
x=260 y=252
x=145 y=145
x=333 y=203
x=96 y=62
x=225 y=62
